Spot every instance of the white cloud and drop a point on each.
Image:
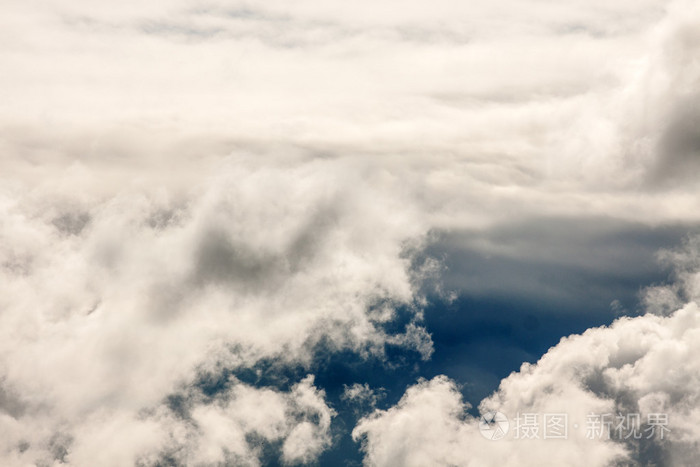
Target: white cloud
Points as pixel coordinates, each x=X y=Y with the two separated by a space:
x=114 y=302
x=301 y=419
x=429 y=426
x=361 y=398
x=192 y=189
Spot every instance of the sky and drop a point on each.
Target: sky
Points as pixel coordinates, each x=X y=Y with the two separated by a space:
x=338 y=233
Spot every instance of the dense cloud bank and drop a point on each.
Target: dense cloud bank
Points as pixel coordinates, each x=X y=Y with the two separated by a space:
x=192 y=189
x=113 y=304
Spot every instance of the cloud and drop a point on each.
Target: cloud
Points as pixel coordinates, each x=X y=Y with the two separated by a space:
x=680 y=144
x=429 y=426
x=301 y=419
x=362 y=397
x=188 y=190
x=557 y=259
x=111 y=303
x=231 y=428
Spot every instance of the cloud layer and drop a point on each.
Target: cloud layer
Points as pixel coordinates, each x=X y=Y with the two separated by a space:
x=192 y=189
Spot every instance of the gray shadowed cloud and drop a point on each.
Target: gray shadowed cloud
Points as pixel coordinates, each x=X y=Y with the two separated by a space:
x=678 y=161
x=558 y=260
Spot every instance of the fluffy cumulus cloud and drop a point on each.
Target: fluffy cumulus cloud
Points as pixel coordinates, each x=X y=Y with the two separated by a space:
x=113 y=302
x=629 y=392
x=188 y=190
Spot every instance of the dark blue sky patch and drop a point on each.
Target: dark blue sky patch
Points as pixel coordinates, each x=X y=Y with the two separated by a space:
x=479 y=341
x=523 y=286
